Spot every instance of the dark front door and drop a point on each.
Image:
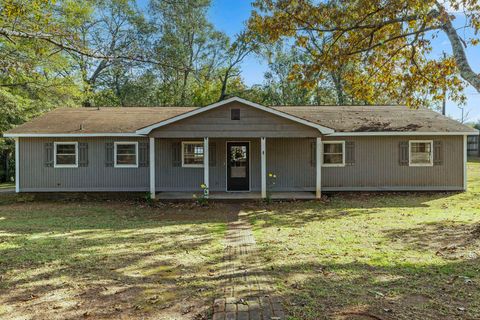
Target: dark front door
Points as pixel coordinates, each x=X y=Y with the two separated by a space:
x=238 y=166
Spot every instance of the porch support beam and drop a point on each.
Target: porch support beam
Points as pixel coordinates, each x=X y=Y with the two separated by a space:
x=206 y=162
x=152 y=168
x=17 y=165
x=318 y=165
x=263 y=161
x=465 y=159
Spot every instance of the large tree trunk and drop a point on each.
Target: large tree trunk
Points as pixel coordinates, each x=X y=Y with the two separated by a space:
x=460 y=57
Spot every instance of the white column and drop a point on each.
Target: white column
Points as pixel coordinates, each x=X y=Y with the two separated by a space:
x=318 y=162
x=263 y=161
x=152 y=168
x=465 y=159
x=17 y=165
x=205 y=165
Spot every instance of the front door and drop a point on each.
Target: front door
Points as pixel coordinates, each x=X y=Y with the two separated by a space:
x=238 y=166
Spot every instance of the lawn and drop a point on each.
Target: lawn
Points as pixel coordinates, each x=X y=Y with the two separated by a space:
x=353 y=256
x=376 y=256
x=107 y=260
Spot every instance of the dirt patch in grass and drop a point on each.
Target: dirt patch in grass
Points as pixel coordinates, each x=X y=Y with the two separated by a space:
x=108 y=259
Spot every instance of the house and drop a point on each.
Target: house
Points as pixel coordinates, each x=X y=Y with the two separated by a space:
x=232 y=146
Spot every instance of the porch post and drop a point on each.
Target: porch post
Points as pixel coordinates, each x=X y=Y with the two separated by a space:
x=205 y=166
x=465 y=159
x=318 y=165
x=152 y=168
x=263 y=160
x=17 y=165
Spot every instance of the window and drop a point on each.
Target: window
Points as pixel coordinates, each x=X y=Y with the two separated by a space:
x=66 y=155
x=192 y=154
x=235 y=114
x=333 y=153
x=126 y=154
x=421 y=153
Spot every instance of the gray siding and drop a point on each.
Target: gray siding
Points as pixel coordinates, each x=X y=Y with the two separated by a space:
x=252 y=123
x=376 y=166
x=35 y=177
x=170 y=178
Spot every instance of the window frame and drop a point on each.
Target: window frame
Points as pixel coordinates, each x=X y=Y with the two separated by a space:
x=232 y=114
x=186 y=165
x=410 y=164
x=342 y=142
x=115 y=164
x=55 y=144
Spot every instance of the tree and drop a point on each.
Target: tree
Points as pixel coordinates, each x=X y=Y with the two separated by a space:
x=390 y=39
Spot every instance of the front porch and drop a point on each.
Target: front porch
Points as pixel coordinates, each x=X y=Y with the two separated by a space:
x=235 y=168
x=236 y=195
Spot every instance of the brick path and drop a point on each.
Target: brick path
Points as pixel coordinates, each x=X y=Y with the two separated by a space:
x=247 y=291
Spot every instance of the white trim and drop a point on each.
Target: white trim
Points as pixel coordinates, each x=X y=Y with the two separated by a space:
x=249 y=165
x=397 y=133
x=263 y=165
x=115 y=154
x=69 y=135
x=318 y=168
x=152 y=168
x=206 y=167
x=55 y=144
x=17 y=165
x=343 y=154
x=465 y=159
x=183 y=158
x=148 y=129
x=410 y=164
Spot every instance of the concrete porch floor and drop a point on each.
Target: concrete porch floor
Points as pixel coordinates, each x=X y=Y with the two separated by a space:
x=236 y=195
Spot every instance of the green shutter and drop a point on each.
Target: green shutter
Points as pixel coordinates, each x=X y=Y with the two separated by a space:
x=176 y=154
x=83 y=154
x=313 y=154
x=143 y=148
x=437 y=153
x=350 y=153
x=403 y=153
x=48 y=154
x=109 y=154
x=212 y=154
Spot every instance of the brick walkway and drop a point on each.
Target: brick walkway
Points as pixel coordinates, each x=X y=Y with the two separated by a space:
x=247 y=291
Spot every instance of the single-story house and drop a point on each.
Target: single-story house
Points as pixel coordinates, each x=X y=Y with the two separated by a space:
x=238 y=146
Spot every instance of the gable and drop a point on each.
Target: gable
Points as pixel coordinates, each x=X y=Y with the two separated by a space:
x=217 y=122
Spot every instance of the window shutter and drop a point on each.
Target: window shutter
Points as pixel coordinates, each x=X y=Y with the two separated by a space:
x=437 y=153
x=176 y=154
x=403 y=153
x=48 y=154
x=143 y=160
x=212 y=154
x=83 y=154
x=313 y=154
x=350 y=153
x=109 y=154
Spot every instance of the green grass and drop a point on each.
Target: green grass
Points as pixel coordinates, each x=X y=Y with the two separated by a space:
x=106 y=260
x=390 y=256
x=7 y=185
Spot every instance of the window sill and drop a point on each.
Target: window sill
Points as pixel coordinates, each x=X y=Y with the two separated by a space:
x=125 y=166
x=65 y=166
x=333 y=165
x=192 y=166
x=421 y=165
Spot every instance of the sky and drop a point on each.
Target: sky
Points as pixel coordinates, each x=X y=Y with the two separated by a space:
x=230 y=17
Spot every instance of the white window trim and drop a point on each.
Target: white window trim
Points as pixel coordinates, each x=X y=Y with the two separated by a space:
x=115 y=154
x=343 y=154
x=410 y=154
x=55 y=165
x=184 y=165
